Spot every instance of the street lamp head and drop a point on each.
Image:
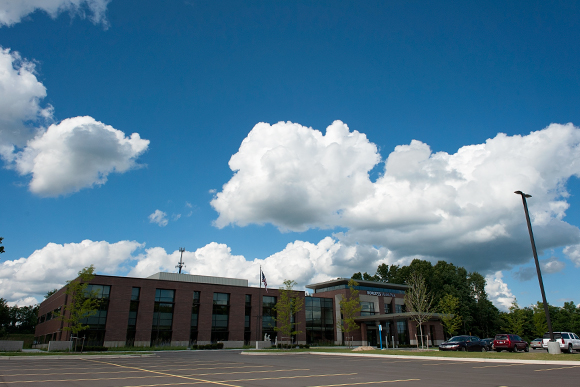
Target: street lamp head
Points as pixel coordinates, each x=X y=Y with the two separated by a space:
x=523 y=194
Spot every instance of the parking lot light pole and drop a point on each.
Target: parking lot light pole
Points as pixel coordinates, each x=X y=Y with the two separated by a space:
x=546 y=309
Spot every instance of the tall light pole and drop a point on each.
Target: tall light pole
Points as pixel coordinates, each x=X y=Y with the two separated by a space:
x=546 y=309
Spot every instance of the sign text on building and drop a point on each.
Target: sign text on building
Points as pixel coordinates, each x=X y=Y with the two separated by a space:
x=373 y=293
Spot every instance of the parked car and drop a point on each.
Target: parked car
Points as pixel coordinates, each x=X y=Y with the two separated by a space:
x=510 y=343
x=536 y=343
x=568 y=341
x=488 y=343
x=463 y=343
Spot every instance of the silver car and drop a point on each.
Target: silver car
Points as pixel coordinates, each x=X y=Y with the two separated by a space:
x=569 y=341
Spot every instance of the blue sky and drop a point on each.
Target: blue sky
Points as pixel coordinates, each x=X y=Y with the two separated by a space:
x=436 y=112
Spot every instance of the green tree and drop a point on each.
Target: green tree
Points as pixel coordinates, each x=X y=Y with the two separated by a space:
x=1 y=247
x=4 y=316
x=448 y=306
x=286 y=308
x=50 y=293
x=349 y=307
x=82 y=303
x=515 y=320
x=540 y=324
x=418 y=301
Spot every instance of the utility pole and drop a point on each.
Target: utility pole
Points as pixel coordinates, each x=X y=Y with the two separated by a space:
x=181 y=264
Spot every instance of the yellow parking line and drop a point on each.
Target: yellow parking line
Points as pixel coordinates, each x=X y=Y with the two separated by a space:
x=288 y=377
x=559 y=368
x=120 y=372
x=501 y=365
x=251 y=372
x=81 y=380
x=166 y=374
x=377 y=382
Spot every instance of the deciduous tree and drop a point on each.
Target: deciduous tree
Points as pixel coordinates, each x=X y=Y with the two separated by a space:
x=419 y=301
x=286 y=308
x=82 y=304
x=448 y=306
x=349 y=307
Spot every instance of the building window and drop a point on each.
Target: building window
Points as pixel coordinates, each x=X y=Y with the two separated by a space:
x=400 y=308
x=388 y=309
x=367 y=308
x=194 y=318
x=319 y=320
x=403 y=333
x=162 y=317
x=95 y=334
x=268 y=317
x=247 y=319
x=132 y=324
x=220 y=317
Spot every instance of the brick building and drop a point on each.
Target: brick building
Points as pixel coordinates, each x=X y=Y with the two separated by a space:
x=181 y=309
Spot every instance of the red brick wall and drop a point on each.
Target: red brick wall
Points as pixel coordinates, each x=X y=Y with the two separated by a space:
x=120 y=300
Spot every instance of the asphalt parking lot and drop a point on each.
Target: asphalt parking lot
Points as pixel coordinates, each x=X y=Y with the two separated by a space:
x=230 y=368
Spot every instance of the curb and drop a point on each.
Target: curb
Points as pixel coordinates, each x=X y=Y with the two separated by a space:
x=426 y=358
x=60 y=357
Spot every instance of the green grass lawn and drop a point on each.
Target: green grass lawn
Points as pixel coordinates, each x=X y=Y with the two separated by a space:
x=532 y=355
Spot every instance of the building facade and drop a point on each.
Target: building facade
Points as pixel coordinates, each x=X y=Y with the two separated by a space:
x=182 y=309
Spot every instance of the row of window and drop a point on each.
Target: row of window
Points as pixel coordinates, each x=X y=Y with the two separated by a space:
x=161 y=331
x=367 y=308
x=49 y=316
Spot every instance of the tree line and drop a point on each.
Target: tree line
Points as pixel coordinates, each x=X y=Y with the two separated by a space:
x=15 y=319
x=456 y=291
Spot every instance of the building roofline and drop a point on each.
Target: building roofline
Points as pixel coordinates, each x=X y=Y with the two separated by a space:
x=344 y=281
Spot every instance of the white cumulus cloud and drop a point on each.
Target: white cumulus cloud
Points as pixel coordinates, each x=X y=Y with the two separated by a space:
x=499 y=293
x=459 y=207
x=573 y=252
x=54 y=264
x=21 y=95
x=159 y=217
x=301 y=261
x=13 y=11
x=295 y=177
x=77 y=153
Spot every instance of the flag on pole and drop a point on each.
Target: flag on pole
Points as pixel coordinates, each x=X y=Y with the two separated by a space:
x=264 y=282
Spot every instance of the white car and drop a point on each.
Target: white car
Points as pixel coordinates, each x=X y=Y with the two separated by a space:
x=568 y=341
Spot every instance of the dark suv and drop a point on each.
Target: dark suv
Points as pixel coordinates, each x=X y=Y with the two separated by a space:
x=510 y=343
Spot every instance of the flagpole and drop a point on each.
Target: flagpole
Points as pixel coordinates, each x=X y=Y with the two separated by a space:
x=259 y=309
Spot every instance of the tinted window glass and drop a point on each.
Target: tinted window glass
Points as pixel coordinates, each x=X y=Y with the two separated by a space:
x=135 y=294
x=501 y=337
x=164 y=295
x=556 y=336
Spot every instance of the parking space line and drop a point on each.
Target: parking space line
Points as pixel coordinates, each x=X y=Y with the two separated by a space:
x=289 y=377
x=554 y=369
x=165 y=374
x=81 y=380
x=377 y=382
x=450 y=362
x=251 y=372
x=120 y=372
x=501 y=365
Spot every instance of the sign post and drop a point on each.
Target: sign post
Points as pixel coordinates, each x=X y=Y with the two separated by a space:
x=381 y=335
